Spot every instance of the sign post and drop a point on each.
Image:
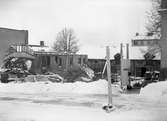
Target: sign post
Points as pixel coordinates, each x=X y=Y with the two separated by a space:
x=109 y=76
x=108 y=108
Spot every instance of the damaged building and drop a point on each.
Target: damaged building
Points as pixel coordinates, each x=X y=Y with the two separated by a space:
x=57 y=62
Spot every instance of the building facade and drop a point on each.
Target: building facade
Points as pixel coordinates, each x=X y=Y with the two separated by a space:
x=98 y=65
x=10 y=37
x=163 y=42
x=56 y=62
x=146 y=40
x=138 y=67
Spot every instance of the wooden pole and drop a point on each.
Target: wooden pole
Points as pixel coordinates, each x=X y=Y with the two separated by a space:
x=127 y=51
x=109 y=76
x=121 y=69
x=104 y=69
x=67 y=53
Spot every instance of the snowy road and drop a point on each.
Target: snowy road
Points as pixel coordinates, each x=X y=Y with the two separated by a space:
x=80 y=101
x=19 y=107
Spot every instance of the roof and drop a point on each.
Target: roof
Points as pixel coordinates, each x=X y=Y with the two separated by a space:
x=54 y=53
x=147 y=37
x=137 y=53
x=3 y=28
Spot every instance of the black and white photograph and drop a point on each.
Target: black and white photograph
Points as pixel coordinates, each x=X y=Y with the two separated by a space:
x=83 y=60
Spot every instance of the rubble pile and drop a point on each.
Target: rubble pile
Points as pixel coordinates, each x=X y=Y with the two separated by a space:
x=36 y=78
x=83 y=73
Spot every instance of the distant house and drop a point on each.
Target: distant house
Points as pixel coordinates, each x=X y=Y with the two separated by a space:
x=17 y=40
x=56 y=62
x=140 y=44
x=10 y=37
x=148 y=39
x=138 y=64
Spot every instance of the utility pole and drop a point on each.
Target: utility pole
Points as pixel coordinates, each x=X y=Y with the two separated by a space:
x=127 y=51
x=108 y=108
x=129 y=73
x=109 y=76
x=125 y=67
x=121 y=68
x=67 y=53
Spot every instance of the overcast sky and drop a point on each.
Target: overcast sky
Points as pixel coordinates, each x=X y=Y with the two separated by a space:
x=95 y=22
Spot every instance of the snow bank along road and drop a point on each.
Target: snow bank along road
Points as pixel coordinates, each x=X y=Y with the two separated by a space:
x=79 y=101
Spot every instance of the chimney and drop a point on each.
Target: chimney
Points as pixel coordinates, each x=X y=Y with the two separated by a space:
x=42 y=43
x=137 y=34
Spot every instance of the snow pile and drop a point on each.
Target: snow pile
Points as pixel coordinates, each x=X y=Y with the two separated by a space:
x=155 y=91
x=97 y=87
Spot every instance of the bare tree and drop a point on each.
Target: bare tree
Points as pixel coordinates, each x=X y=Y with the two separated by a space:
x=66 y=41
x=154 y=18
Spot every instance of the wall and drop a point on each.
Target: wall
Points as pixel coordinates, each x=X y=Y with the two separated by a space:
x=136 y=66
x=57 y=63
x=163 y=43
x=9 y=37
x=139 y=67
x=98 y=64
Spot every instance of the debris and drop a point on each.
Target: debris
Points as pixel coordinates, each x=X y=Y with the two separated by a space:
x=108 y=108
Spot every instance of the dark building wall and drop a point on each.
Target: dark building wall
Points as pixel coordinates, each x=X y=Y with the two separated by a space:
x=98 y=64
x=9 y=37
x=163 y=43
x=139 y=67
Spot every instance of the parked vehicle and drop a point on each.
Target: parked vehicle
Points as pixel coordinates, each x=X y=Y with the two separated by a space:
x=150 y=77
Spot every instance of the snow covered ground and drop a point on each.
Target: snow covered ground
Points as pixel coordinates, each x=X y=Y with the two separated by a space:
x=97 y=87
x=155 y=91
x=46 y=101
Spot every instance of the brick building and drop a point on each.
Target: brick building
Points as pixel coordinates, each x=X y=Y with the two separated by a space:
x=9 y=37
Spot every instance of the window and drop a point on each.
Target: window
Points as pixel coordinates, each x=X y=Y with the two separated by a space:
x=56 y=59
x=43 y=61
x=135 y=42
x=71 y=60
x=148 y=42
x=60 y=62
x=156 y=42
x=48 y=60
x=145 y=43
x=141 y=43
x=84 y=60
x=79 y=60
x=96 y=61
